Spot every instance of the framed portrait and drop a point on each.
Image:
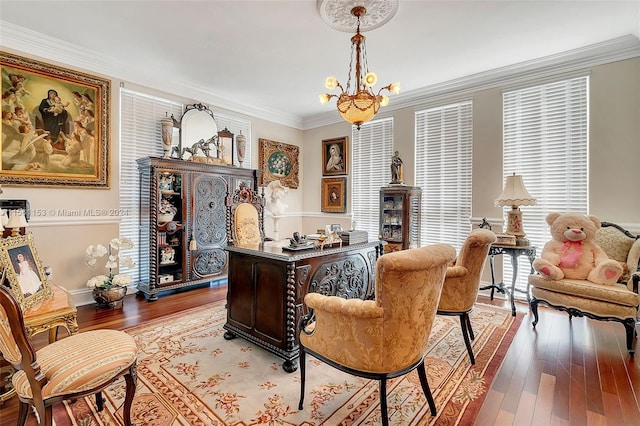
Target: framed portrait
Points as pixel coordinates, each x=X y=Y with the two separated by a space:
x=335 y=160
x=22 y=270
x=334 y=195
x=278 y=161
x=55 y=125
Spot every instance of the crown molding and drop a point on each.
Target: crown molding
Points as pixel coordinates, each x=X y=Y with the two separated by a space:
x=581 y=59
x=21 y=39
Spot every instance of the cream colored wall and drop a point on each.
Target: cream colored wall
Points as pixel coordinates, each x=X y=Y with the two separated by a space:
x=62 y=236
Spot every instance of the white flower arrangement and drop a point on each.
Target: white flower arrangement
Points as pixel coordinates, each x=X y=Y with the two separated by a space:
x=114 y=260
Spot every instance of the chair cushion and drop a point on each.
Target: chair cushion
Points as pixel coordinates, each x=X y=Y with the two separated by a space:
x=247 y=225
x=80 y=362
x=618 y=247
x=618 y=293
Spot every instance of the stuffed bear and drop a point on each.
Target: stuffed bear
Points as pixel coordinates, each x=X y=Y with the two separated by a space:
x=572 y=254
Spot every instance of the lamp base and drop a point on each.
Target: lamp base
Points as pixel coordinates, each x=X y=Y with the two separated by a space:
x=514 y=223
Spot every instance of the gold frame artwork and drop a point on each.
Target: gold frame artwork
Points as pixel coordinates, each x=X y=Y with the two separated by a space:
x=335 y=158
x=10 y=249
x=334 y=195
x=61 y=135
x=278 y=161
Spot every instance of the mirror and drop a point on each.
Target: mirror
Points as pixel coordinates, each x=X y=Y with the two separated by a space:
x=197 y=124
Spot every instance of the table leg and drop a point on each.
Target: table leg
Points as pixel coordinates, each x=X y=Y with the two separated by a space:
x=514 y=265
x=493 y=277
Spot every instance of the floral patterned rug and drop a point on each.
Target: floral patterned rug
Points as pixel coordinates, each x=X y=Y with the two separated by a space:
x=188 y=374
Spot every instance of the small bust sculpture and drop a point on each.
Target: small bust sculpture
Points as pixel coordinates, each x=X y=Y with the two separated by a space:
x=275 y=193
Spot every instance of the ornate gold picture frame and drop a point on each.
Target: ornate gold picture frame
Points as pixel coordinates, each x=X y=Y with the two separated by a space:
x=278 y=161
x=334 y=195
x=23 y=271
x=335 y=158
x=55 y=125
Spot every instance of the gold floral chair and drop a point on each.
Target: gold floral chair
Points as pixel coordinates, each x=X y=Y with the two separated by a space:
x=462 y=282
x=74 y=367
x=578 y=298
x=245 y=221
x=383 y=338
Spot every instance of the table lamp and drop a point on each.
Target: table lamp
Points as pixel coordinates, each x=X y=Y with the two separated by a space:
x=515 y=195
x=17 y=220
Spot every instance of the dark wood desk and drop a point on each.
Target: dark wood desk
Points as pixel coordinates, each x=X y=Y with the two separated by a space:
x=267 y=286
x=514 y=252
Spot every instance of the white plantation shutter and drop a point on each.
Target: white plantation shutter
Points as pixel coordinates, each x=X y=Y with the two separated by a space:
x=140 y=136
x=443 y=171
x=371 y=151
x=546 y=141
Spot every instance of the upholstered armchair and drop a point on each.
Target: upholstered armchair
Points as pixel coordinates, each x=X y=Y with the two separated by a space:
x=245 y=221
x=462 y=282
x=618 y=302
x=79 y=365
x=383 y=338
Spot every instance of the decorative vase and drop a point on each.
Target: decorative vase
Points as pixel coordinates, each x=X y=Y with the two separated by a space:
x=241 y=146
x=165 y=217
x=108 y=297
x=167 y=133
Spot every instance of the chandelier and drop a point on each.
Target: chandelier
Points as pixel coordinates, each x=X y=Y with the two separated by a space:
x=361 y=104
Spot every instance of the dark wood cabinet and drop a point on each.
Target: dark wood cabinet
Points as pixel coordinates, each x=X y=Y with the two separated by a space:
x=183 y=222
x=400 y=217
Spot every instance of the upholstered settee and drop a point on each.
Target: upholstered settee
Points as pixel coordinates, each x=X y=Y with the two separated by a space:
x=618 y=302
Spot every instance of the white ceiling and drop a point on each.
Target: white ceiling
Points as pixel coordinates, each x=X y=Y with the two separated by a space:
x=272 y=56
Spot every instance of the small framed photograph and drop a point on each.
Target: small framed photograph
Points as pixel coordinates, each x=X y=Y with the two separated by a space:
x=334 y=195
x=23 y=270
x=335 y=158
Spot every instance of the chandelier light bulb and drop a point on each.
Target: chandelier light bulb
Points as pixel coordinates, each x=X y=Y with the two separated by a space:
x=370 y=79
x=324 y=98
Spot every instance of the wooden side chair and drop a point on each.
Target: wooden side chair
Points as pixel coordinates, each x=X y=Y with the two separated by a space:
x=68 y=369
x=245 y=217
x=383 y=338
x=462 y=282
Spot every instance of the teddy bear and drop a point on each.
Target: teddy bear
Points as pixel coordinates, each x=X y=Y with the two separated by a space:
x=572 y=254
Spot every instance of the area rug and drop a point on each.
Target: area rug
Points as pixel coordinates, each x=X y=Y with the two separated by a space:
x=188 y=374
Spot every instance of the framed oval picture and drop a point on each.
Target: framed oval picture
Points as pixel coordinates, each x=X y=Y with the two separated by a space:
x=278 y=161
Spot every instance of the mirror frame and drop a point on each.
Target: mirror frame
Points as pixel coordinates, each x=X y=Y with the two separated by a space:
x=195 y=110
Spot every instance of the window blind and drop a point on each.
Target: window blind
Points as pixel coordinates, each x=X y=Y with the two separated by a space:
x=546 y=134
x=140 y=136
x=443 y=170
x=371 y=151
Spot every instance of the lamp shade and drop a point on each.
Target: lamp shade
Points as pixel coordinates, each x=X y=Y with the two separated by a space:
x=17 y=219
x=514 y=193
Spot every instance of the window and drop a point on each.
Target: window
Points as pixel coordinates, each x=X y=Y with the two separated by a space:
x=545 y=140
x=140 y=136
x=443 y=171
x=371 y=151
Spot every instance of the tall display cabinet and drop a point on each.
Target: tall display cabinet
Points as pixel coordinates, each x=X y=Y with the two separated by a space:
x=183 y=220
x=400 y=217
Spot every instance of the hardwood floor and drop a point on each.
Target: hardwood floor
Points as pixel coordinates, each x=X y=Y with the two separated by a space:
x=562 y=372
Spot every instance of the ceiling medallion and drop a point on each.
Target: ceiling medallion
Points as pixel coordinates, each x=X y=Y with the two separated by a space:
x=337 y=13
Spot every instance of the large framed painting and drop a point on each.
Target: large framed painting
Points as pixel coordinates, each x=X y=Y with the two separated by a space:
x=55 y=125
x=23 y=271
x=334 y=195
x=278 y=161
x=335 y=159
